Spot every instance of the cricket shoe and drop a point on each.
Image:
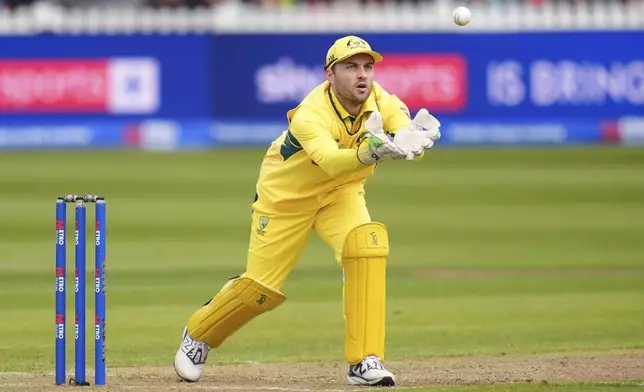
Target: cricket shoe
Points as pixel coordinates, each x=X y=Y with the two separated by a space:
x=370 y=371
x=190 y=358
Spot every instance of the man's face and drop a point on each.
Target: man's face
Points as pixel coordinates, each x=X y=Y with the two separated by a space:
x=352 y=79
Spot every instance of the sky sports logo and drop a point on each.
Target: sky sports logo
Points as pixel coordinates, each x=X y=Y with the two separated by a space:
x=117 y=85
x=436 y=81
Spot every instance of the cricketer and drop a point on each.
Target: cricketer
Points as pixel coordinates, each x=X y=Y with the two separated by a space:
x=312 y=178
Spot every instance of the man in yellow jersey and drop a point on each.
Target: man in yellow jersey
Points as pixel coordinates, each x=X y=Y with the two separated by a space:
x=312 y=178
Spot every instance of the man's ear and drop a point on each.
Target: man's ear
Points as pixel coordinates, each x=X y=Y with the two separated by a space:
x=329 y=74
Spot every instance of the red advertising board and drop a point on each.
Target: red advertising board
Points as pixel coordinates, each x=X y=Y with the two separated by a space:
x=53 y=85
x=431 y=81
x=114 y=85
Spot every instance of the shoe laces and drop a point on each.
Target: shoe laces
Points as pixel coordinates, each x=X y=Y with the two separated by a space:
x=370 y=362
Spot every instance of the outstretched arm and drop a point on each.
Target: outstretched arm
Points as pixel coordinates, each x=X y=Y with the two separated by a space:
x=323 y=149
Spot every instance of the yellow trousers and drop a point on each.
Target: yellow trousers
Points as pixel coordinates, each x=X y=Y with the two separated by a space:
x=277 y=240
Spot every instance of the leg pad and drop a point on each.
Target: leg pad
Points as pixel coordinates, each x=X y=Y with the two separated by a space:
x=364 y=259
x=239 y=301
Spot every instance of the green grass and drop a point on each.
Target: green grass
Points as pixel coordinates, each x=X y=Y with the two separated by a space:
x=507 y=251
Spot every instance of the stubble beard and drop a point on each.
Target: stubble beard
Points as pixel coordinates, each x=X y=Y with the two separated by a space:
x=357 y=98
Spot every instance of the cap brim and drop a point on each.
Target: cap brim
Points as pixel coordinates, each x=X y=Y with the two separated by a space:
x=377 y=57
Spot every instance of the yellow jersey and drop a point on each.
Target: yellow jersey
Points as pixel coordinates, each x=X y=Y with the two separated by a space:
x=316 y=156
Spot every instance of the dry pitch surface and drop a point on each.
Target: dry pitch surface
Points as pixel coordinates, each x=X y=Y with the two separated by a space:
x=605 y=367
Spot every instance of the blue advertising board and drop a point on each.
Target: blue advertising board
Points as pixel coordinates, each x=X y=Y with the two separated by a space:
x=202 y=91
x=557 y=75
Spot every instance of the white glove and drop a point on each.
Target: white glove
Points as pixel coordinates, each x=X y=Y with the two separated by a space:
x=376 y=146
x=420 y=136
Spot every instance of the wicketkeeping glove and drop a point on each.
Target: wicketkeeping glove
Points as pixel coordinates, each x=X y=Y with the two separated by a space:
x=376 y=146
x=420 y=136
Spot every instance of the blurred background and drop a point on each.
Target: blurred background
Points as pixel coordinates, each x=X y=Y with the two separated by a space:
x=176 y=74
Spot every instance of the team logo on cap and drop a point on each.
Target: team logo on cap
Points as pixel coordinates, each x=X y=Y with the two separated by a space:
x=353 y=43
